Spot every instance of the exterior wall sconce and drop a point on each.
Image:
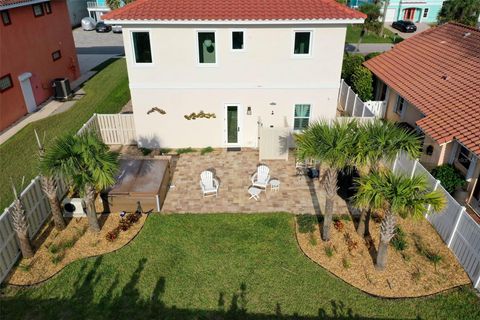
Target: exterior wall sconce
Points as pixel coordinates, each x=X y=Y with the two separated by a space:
x=249 y=111
x=273 y=103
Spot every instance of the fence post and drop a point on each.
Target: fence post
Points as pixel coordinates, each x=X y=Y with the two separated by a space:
x=340 y=90
x=363 y=110
x=457 y=222
x=477 y=283
x=346 y=100
x=354 y=105
x=394 y=163
x=413 y=169
x=437 y=183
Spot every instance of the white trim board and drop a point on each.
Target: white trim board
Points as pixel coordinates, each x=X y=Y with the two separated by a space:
x=213 y=86
x=235 y=22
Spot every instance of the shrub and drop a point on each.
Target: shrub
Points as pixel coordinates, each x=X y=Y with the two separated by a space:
x=53 y=248
x=57 y=258
x=399 y=241
x=351 y=245
x=329 y=250
x=346 y=263
x=306 y=223
x=362 y=83
x=350 y=63
x=449 y=176
x=185 y=150
x=373 y=13
x=165 y=150
x=132 y=217
x=124 y=225
x=312 y=239
x=206 y=150
x=145 y=151
x=372 y=55
x=112 y=235
x=338 y=225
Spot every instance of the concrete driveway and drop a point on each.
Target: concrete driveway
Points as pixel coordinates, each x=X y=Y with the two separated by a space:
x=94 y=48
x=421 y=26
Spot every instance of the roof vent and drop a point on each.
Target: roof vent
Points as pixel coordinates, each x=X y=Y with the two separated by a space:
x=466 y=34
x=445 y=77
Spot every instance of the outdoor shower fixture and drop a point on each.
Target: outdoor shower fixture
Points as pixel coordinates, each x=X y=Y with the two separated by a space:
x=249 y=111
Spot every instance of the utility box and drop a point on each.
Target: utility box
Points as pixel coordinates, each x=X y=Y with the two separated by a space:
x=61 y=87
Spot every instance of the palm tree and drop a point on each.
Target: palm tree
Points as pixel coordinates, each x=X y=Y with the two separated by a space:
x=89 y=165
x=331 y=144
x=395 y=195
x=381 y=140
x=49 y=187
x=20 y=225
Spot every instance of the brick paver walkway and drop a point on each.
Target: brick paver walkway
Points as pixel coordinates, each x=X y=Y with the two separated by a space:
x=297 y=194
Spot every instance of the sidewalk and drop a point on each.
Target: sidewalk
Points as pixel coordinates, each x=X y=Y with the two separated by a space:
x=366 y=48
x=48 y=108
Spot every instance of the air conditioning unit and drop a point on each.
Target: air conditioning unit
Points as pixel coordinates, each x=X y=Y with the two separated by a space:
x=73 y=207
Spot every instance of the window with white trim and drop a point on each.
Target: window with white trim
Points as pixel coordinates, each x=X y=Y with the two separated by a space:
x=425 y=12
x=6 y=18
x=302 y=42
x=38 y=10
x=237 y=40
x=141 y=47
x=206 y=47
x=301 y=116
x=5 y=83
x=464 y=157
x=400 y=105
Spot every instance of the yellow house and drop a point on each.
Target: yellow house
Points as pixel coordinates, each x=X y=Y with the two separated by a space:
x=431 y=83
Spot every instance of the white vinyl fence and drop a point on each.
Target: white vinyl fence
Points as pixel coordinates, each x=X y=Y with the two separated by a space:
x=459 y=231
x=113 y=129
x=349 y=102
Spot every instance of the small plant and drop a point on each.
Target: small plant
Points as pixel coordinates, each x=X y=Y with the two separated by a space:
x=25 y=266
x=57 y=258
x=165 y=150
x=434 y=258
x=124 y=224
x=343 y=217
x=346 y=263
x=67 y=244
x=312 y=239
x=306 y=223
x=53 y=248
x=112 y=235
x=351 y=245
x=132 y=217
x=429 y=254
x=329 y=250
x=399 y=241
x=185 y=150
x=449 y=177
x=338 y=225
x=206 y=150
x=416 y=274
x=146 y=151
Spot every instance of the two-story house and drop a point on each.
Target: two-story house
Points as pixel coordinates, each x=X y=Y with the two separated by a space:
x=413 y=10
x=432 y=83
x=37 y=46
x=205 y=73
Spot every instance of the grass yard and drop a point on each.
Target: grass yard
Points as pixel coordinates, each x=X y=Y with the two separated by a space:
x=353 y=34
x=106 y=92
x=222 y=266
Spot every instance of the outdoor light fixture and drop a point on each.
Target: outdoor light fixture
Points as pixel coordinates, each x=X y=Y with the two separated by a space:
x=273 y=103
x=249 y=111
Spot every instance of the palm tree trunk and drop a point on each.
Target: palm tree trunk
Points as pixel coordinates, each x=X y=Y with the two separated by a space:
x=384 y=16
x=362 y=228
x=49 y=186
x=387 y=232
x=331 y=191
x=91 y=212
x=20 y=225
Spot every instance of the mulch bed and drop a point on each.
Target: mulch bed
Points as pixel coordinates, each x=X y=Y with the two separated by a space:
x=409 y=273
x=55 y=250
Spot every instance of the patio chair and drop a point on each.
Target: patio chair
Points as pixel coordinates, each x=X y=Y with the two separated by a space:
x=261 y=178
x=208 y=184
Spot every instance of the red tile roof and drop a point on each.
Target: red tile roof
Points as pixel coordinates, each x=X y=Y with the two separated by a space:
x=233 y=10
x=438 y=71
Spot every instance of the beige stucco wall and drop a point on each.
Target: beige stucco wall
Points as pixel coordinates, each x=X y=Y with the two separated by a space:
x=265 y=72
x=411 y=115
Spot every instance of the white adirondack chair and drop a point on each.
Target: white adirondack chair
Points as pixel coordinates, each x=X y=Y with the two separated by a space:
x=208 y=184
x=261 y=177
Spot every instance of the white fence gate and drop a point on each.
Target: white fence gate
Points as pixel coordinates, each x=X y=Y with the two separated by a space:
x=113 y=129
x=274 y=143
x=459 y=231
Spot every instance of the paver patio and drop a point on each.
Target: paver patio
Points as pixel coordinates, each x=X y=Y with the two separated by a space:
x=233 y=170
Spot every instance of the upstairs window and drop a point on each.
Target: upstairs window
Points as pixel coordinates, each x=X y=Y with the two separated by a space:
x=141 y=47
x=48 y=7
x=301 y=116
x=38 y=10
x=237 y=40
x=5 y=83
x=206 y=48
x=6 y=18
x=302 y=42
x=425 y=12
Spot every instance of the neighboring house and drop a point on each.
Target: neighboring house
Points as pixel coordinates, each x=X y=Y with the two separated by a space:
x=241 y=63
x=36 y=47
x=414 y=10
x=96 y=9
x=77 y=9
x=432 y=82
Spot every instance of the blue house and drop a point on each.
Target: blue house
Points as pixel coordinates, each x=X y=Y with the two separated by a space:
x=413 y=10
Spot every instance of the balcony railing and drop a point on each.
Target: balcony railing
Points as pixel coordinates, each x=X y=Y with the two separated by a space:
x=97 y=5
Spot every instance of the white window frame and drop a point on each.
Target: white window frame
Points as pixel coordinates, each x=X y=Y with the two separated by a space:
x=401 y=113
x=197 y=58
x=310 y=46
x=231 y=40
x=309 y=116
x=132 y=44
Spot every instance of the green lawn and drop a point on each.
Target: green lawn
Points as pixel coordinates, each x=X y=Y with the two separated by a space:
x=353 y=34
x=221 y=266
x=106 y=92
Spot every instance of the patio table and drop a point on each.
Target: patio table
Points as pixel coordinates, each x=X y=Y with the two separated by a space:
x=274 y=185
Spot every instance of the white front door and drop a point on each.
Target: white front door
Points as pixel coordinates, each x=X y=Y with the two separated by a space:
x=27 y=91
x=233 y=125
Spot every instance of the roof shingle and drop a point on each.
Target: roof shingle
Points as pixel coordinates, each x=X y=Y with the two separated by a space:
x=438 y=71
x=238 y=10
